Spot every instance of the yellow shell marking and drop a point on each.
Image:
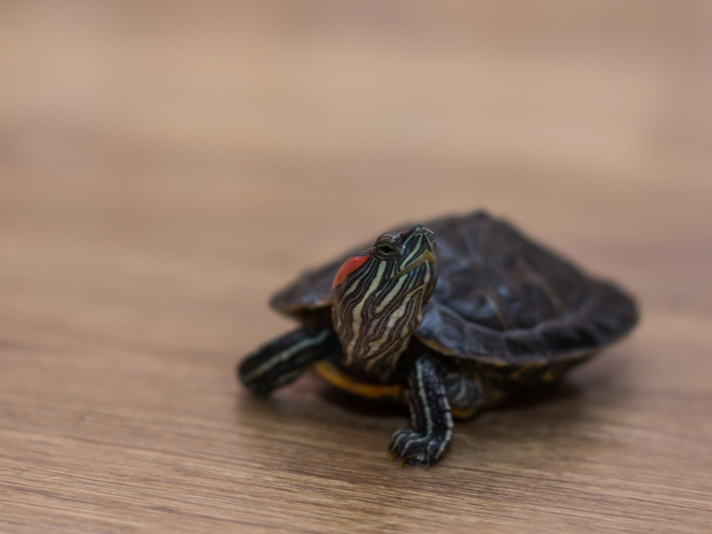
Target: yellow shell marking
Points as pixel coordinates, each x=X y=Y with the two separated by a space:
x=337 y=378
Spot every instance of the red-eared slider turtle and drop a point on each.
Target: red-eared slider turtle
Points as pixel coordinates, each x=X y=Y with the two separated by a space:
x=450 y=335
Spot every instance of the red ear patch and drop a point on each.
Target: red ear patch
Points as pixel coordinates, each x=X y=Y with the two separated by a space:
x=349 y=266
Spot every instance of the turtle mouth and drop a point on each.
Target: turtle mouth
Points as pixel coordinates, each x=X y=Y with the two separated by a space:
x=426 y=256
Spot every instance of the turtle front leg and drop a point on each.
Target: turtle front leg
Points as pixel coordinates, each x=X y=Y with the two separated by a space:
x=284 y=359
x=430 y=415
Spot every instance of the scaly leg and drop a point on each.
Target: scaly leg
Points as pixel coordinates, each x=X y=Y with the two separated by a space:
x=430 y=415
x=284 y=359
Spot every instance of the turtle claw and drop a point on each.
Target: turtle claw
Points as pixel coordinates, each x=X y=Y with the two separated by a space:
x=414 y=448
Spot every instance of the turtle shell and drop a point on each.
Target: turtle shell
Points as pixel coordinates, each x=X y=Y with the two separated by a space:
x=501 y=299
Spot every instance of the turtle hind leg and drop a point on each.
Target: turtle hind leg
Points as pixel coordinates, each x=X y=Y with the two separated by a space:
x=284 y=359
x=430 y=415
x=466 y=388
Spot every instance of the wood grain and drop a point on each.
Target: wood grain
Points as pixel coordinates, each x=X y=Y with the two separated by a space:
x=164 y=167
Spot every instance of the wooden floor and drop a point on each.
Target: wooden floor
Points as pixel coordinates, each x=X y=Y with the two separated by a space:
x=165 y=167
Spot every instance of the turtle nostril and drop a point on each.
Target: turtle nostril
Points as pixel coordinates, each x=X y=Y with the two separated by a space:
x=430 y=236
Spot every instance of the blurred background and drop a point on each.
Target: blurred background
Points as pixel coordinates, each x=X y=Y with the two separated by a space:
x=146 y=142
x=166 y=166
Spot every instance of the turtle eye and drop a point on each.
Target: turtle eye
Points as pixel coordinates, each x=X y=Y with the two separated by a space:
x=385 y=249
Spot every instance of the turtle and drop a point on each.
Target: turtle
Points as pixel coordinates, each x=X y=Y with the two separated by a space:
x=451 y=317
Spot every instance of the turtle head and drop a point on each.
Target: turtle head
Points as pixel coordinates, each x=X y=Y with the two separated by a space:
x=378 y=297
